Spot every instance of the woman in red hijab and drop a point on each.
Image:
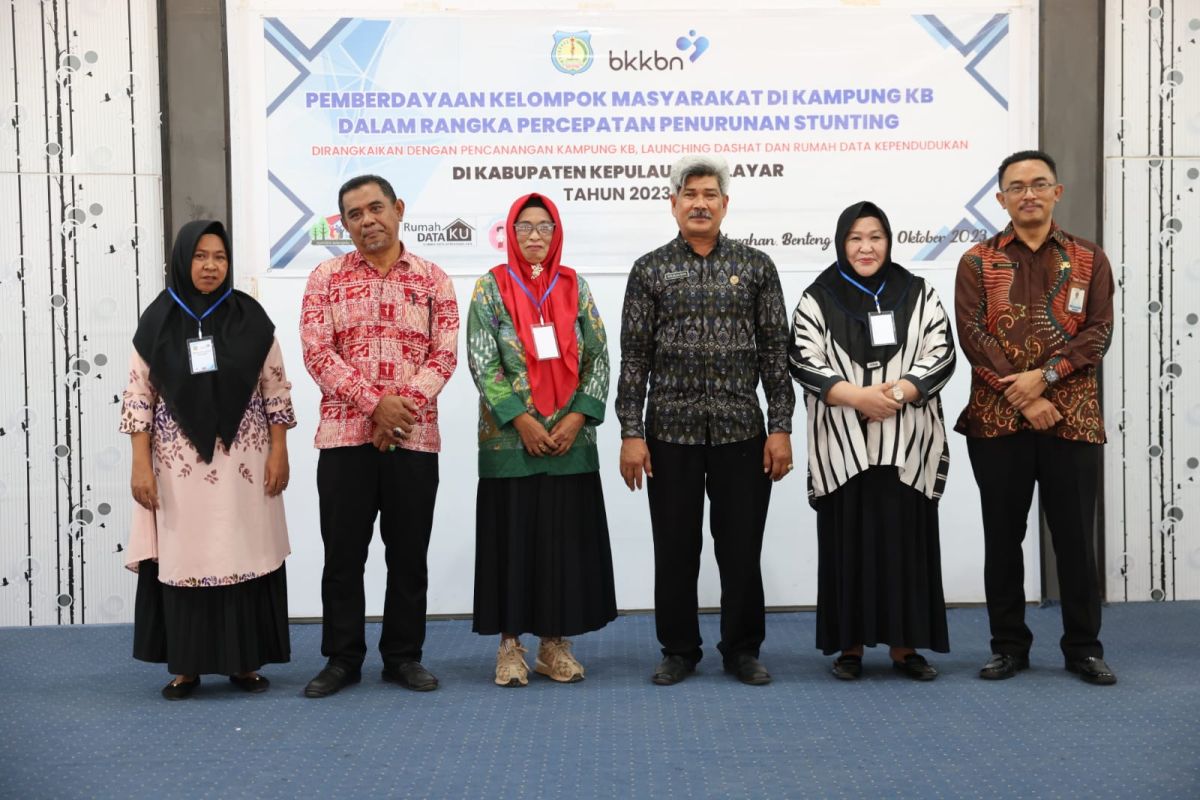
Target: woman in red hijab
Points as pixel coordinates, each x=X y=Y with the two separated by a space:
x=538 y=354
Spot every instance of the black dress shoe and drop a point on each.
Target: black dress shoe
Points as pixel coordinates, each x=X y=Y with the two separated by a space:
x=180 y=691
x=1001 y=666
x=411 y=675
x=252 y=684
x=331 y=680
x=1093 y=670
x=847 y=667
x=672 y=670
x=916 y=667
x=748 y=670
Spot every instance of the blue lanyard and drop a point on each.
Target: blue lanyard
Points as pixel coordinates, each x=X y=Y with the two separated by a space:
x=874 y=295
x=192 y=314
x=537 y=304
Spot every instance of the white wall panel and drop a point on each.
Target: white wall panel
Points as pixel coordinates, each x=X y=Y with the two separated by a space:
x=1152 y=235
x=80 y=255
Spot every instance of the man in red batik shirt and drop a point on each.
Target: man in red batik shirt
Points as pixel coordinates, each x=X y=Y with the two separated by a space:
x=379 y=328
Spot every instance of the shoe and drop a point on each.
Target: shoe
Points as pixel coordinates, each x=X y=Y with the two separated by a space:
x=916 y=667
x=847 y=667
x=1002 y=665
x=411 y=675
x=511 y=669
x=555 y=661
x=253 y=685
x=672 y=670
x=1093 y=670
x=331 y=680
x=180 y=691
x=748 y=670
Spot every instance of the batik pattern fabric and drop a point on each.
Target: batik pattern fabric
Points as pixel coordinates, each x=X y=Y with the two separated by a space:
x=701 y=332
x=215 y=525
x=366 y=336
x=497 y=360
x=1019 y=310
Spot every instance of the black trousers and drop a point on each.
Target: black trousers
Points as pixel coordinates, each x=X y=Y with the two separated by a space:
x=738 y=492
x=1067 y=474
x=355 y=484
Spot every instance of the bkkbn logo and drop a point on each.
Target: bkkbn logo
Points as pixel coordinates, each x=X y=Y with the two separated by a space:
x=697 y=44
x=654 y=61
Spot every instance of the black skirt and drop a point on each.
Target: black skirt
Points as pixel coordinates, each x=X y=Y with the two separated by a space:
x=543 y=564
x=879 y=568
x=221 y=630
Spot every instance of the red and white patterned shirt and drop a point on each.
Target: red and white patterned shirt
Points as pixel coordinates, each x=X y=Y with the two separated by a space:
x=366 y=336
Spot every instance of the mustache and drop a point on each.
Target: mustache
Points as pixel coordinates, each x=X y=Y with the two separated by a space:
x=700 y=214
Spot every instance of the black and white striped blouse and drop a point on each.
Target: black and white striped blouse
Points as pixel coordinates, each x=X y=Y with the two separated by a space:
x=840 y=443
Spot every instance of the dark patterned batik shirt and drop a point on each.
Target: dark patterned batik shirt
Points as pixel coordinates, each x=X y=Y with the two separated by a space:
x=1021 y=310
x=703 y=331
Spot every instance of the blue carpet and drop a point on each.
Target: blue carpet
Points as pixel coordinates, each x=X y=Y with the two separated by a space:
x=79 y=718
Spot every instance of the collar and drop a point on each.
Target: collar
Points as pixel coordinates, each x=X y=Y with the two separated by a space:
x=356 y=260
x=1009 y=235
x=682 y=244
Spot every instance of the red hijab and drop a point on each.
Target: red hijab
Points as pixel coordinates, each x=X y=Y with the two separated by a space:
x=551 y=382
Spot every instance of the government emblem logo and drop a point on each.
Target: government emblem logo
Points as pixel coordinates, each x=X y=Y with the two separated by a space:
x=572 y=52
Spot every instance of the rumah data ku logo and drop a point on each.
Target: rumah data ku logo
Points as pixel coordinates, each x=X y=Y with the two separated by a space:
x=456 y=232
x=692 y=45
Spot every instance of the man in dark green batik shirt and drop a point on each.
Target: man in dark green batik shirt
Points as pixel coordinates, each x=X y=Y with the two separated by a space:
x=703 y=323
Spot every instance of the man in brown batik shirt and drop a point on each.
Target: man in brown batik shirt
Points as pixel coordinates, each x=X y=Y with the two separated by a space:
x=1034 y=313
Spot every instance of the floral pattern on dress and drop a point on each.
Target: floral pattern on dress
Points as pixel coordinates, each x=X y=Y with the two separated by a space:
x=212 y=580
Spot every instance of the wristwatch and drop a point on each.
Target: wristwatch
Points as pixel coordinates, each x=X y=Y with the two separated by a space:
x=1049 y=375
x=897 y=393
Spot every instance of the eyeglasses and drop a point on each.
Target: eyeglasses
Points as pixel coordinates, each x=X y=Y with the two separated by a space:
x=523 y=229
x=1038 y=188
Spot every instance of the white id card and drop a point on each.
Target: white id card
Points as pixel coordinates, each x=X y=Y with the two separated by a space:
x=545 y=342
x=1075 y=299
x=202 y=355
x=883 y=328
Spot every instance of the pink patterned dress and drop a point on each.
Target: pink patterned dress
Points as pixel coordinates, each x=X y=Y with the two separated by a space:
x=215 y=525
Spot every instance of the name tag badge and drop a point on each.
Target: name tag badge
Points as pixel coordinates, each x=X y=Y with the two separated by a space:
x=545 y=342
x=1004 y=265
x=883 y=328
x=677 y=275
x=202 y=355
x=1075 y=299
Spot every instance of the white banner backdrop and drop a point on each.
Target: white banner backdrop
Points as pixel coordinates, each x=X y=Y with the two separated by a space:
x=910 y=105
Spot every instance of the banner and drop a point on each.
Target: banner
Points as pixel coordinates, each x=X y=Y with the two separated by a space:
x=813 y=110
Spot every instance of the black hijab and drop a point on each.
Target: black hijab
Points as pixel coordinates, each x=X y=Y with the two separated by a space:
x=846 y=306
x=211 y=404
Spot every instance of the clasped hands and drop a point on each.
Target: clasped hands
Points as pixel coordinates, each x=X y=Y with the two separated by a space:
x=541 y=442
x=394 y=418
x=1024 y=393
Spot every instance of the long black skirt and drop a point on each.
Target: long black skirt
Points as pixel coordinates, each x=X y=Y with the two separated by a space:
x=221 y=630
x=543 y=564
x=879 y=568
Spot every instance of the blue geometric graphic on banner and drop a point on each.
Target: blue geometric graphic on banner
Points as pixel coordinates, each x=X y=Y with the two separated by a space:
x=980 y=44
x=296 y=52
x=362 y=45
x=931 y=251
x=296 y=237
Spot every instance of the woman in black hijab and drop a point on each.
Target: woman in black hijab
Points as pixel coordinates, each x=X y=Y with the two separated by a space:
x=872 y=348
x=207 y=409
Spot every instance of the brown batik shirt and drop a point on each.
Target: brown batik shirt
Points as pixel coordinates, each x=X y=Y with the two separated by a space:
x=1019 y=310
